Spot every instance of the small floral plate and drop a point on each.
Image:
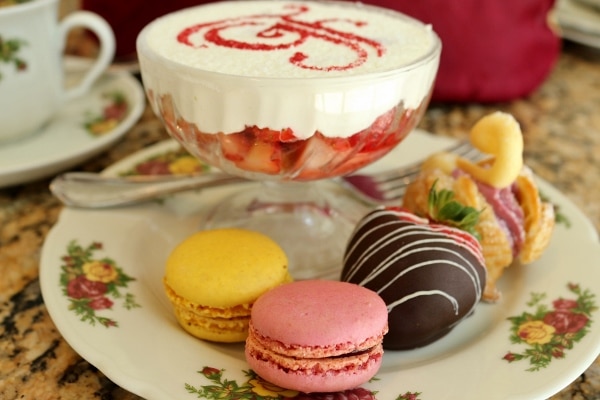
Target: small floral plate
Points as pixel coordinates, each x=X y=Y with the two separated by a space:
x=101 y=277
x=82 y=129
x=579 y=22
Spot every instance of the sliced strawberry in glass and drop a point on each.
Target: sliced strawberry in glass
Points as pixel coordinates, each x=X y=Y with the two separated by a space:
x=262 y=157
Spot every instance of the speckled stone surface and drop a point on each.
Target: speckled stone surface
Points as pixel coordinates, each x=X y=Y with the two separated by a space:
x=561 y=123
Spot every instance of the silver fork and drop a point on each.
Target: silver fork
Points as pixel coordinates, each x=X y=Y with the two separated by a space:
x=388 y=187
x=90 y=190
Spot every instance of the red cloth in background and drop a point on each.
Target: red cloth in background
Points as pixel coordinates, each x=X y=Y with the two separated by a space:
x=493 y=50
x=128 y=17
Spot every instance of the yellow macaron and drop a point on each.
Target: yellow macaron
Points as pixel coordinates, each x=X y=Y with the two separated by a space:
x=213 y=277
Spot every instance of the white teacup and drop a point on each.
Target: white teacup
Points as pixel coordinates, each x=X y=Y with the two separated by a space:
x=32 y=41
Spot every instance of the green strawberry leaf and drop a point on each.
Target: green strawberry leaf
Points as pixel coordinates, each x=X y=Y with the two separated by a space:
x=443 y=209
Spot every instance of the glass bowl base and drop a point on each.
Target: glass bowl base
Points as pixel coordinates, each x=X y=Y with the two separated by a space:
x=311 y=223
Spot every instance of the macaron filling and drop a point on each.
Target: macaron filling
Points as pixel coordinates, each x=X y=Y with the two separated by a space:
x=313 y=362
x=323 y=369
x=232 y=321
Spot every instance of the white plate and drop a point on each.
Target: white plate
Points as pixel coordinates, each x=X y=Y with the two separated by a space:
x=64 y=142
x=578 y=22
x=148 y=354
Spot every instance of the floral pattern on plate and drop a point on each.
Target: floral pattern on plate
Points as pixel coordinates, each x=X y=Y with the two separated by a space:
x=548 y=332
x=140 y=238
x=256 y=388
x=93 y=284
x=111 y=116
x=171 y=162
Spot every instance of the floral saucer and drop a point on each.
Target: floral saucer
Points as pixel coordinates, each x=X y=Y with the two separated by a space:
x=101 y=277
x=83 y=128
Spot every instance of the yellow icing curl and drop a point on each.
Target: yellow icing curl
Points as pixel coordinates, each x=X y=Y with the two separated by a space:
x=499 y=135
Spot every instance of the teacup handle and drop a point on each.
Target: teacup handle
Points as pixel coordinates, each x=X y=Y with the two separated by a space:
x=106 y=37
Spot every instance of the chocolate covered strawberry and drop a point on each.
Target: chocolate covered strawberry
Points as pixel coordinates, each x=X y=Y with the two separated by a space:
x=431 y=274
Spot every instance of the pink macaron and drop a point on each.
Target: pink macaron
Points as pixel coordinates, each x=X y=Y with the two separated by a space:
x=317 y=335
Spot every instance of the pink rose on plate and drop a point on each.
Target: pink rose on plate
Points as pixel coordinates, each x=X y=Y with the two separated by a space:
x=153 y=167
x=100 y=303
x=352 y=394
x=564 y=304
x=566 y=321
x=81 y=287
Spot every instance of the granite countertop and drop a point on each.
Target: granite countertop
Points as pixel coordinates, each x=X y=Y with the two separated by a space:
x=561 y=125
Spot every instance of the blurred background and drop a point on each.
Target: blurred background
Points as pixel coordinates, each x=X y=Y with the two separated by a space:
x=492 y=51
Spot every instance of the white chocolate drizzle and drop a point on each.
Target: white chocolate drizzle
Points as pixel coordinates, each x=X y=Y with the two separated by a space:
x=431 y=241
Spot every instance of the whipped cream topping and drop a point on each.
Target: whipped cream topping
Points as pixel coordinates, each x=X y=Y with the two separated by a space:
x=321 y=62
x=289 y=39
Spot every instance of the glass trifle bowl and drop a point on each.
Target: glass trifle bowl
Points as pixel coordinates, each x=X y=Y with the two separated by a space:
x=288 y=93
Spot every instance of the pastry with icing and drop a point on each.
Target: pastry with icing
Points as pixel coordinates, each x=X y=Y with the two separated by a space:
x=515 y=223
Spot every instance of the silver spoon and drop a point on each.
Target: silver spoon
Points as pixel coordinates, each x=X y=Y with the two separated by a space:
x=90 y=190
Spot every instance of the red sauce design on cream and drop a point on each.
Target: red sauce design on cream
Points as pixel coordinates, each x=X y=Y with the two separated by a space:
x=276 y=28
